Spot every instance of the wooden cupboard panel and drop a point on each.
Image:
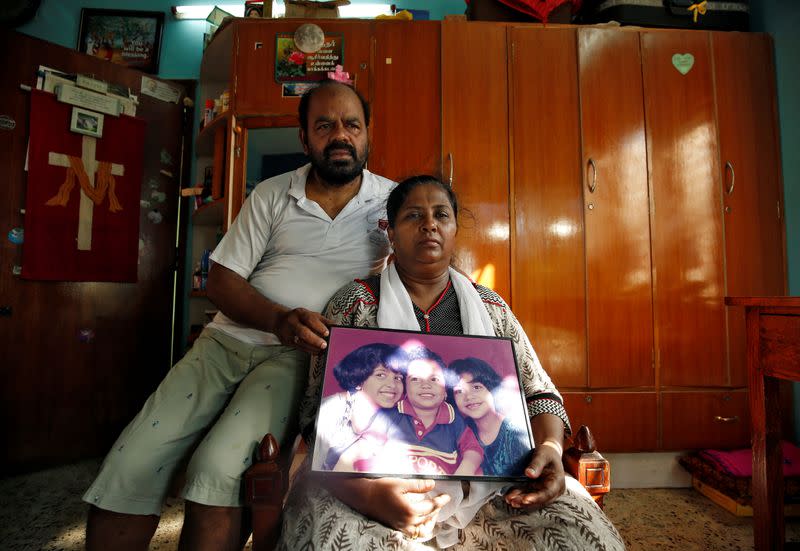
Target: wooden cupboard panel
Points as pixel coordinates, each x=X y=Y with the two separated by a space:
x=751 y=180
x=475 y=146
x=695 y=420
x=620 y=421
x=686 y=218
x=616 y=210
x=548 y=260
x=255 y=91
x=406 y=101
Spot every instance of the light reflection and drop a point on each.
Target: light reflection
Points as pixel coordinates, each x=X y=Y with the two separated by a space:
x=498 y=231
x=563 y=228
x=484 y=276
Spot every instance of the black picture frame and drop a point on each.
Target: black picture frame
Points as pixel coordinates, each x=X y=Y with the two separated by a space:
x=127 y=37
x=365 y=429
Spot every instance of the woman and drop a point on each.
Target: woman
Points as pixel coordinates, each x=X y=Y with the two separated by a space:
x=505 y=446
x=372 y=379
x=420 y=291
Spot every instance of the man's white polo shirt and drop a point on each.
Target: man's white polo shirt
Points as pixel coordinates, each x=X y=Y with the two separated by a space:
x=291 y=251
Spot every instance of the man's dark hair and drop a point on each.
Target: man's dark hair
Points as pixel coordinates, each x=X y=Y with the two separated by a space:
x=358 y=365
x=305 y=101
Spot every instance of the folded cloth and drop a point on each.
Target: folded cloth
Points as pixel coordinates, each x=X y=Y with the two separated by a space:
x=739 y=463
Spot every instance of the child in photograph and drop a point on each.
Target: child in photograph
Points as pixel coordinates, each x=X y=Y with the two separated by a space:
x=506 y=446
x=424 y=434
x=372 y=379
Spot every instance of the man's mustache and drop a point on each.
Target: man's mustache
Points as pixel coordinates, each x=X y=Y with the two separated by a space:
x=340 y=145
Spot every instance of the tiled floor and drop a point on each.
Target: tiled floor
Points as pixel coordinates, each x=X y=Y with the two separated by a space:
x=43 y=511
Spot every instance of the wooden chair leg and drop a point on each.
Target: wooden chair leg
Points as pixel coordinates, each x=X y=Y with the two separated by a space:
x=266 y=482
x=584 y=462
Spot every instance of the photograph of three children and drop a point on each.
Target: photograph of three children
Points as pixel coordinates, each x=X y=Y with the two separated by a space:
x=408 y=404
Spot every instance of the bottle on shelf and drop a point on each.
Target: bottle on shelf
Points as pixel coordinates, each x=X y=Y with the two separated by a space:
x=196 y=278
x=205 y=262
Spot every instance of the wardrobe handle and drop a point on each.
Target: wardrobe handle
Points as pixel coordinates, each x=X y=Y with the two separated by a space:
x=593 y=185
x=729 y=166
x=450 y=160
x=721 y=419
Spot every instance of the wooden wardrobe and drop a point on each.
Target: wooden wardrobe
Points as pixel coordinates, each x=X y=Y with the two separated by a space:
x=624 y=181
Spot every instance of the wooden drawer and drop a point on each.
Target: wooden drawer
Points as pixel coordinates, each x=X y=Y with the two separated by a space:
x=708 y=419
x=619 y=421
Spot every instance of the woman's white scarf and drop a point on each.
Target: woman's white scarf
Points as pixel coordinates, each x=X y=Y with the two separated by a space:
x=395 y=311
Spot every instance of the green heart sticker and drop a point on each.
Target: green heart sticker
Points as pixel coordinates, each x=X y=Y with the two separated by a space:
x=683 y=62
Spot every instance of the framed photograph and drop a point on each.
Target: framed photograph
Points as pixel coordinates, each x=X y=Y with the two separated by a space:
x=416 y=405
x=130 y=38
x=87 y=122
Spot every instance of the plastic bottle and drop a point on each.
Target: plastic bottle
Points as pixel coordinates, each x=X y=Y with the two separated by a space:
x=205 y=260
x=208 y=114
x=196 y=278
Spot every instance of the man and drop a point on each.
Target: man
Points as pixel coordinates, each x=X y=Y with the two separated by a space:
x=299 y=237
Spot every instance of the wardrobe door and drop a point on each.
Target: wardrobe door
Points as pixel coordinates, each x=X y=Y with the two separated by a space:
x=686 y=215
x=615 y=210
x=547 y=253
x=406 y=99
x=751 y=183
x=475 y=146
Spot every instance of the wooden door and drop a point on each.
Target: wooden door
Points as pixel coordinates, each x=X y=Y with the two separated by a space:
x=620 y=421
x=255 y=90
x=406 y=99
x=79 y=359
x=475 y=146
x=616 y=210
x=706 y=419
x=548 y=257
x=686 y=215
x=751 y=181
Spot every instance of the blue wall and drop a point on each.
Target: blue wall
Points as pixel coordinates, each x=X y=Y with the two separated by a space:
x=781 y=19
x=182 y=41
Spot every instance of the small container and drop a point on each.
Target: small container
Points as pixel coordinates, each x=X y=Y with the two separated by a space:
x=217 y=107
x=208 y=114
x=205 y=264
x=225 y=100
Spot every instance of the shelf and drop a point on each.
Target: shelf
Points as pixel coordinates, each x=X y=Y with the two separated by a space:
x=205 y=138
x=210 y=214
x=198 y=294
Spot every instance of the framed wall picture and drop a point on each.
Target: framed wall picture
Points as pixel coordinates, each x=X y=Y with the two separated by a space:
x=409 y=404
x=130 y=38
x=87 y=122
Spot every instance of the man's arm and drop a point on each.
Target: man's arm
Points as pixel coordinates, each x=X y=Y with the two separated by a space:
x=241 y=302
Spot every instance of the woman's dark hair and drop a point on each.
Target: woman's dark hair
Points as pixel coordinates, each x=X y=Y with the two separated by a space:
x=358 y=365
x=305 y=101
x=399 y=194
x=424 y=353
x=481 y=372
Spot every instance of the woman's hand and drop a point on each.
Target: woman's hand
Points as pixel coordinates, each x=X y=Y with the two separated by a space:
x=395 y=502
x=547 y=479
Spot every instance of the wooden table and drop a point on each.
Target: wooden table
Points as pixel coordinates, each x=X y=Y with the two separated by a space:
x=773 y=353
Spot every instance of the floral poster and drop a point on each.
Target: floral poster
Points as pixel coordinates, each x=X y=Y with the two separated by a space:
x=292 y=65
